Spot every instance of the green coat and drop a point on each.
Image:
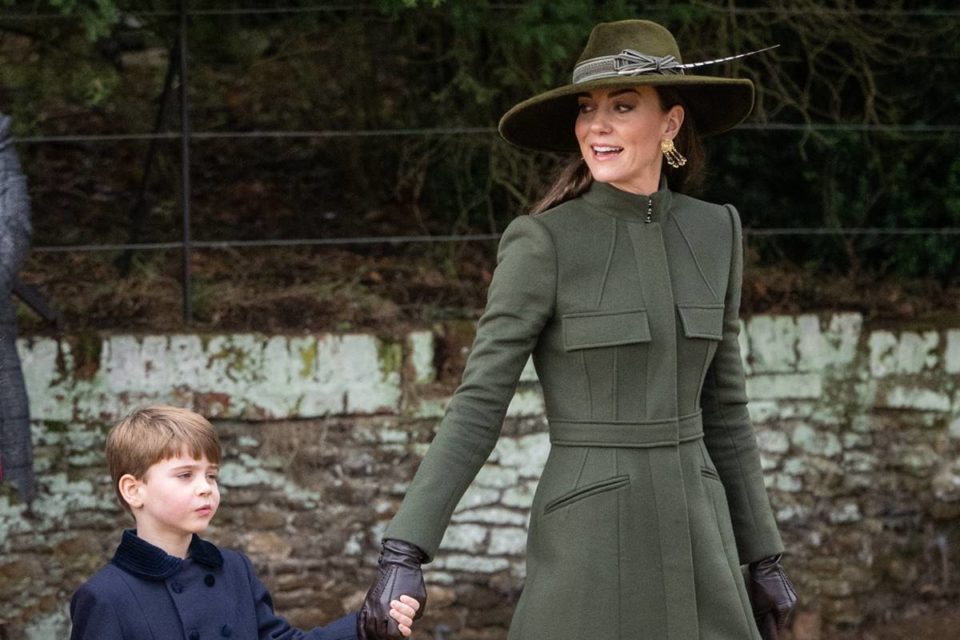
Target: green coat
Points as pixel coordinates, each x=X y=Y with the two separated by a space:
x=652 y=495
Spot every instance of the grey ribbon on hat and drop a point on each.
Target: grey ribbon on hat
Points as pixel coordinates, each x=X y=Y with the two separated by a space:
x=628 y=62
x=631 y=62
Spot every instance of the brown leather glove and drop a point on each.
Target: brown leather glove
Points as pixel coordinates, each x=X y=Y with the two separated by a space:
x=399 y=574
x=772 y=596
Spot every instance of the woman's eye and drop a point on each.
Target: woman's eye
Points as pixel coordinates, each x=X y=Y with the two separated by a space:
x=624 y=108
x=584 y=108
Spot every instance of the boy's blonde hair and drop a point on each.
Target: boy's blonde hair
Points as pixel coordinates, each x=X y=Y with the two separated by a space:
x=153 y=434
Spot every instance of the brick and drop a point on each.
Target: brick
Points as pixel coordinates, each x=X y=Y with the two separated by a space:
x=421 y=354
x=951 y=356
x=909 y=353
x=773 y=441
x=508 y=541
x=834 y=347
x=785 y=386
x=772 y=344
x=815 y=442
x=471 y=564
x=526 y=454
x=916 y=398
x=464 y=537
x=845 y=514
x=497 y=477
x=477 y=496
x=491 y=516
x=526 y=403
x=882 y=353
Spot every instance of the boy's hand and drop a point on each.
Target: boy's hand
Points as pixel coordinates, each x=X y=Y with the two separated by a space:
x=403 y=611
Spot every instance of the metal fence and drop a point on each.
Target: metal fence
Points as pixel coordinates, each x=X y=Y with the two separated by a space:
x=179 y=68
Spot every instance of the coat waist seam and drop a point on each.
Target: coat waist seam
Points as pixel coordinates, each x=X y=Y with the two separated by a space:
x=646 y=434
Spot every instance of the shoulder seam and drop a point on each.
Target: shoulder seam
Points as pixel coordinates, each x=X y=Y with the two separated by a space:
x=556 y=259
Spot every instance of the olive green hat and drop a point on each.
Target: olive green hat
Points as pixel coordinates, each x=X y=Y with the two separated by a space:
x=625 y=54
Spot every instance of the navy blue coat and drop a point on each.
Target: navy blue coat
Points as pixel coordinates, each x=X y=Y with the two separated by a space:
x=146 y=594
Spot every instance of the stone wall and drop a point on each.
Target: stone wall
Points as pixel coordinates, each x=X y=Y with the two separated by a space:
x=859 y=428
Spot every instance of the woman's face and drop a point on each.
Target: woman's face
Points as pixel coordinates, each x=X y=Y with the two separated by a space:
x=619 y=131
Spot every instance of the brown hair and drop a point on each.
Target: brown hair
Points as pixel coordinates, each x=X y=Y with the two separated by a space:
x=689 y=177
x=574 y=178
x=153 y=434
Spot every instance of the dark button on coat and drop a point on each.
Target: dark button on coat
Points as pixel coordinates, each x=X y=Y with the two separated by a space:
x=146 y=594
x=652 y=495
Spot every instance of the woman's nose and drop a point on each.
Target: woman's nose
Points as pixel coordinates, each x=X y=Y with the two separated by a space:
x=599 y=123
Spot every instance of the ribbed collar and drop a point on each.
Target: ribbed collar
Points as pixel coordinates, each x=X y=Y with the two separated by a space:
x=629 y=206
x=144 y=560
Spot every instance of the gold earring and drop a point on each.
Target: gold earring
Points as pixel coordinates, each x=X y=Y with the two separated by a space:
x=674 y=158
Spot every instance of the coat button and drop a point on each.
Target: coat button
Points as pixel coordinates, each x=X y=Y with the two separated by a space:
x=209 y=580
x=226 y=631
x=177 y=587
x=194 y=635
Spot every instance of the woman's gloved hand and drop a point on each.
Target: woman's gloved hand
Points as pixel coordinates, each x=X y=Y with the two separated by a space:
x=399 y=574
x=772 y=596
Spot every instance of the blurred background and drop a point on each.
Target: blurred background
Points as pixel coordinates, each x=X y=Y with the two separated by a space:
x=292 y=167
x=325 y=128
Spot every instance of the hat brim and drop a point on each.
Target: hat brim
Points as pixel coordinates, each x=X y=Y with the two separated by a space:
x=545 y=122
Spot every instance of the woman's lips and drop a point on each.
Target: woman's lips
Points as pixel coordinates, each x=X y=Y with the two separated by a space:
x=604 y=151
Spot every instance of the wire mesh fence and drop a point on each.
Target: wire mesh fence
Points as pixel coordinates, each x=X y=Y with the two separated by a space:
x=180 y=65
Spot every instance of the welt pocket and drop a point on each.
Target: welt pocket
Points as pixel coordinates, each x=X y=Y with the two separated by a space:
x=702 y=320
x=593 y=329
x=710 y=473
x=586 y=491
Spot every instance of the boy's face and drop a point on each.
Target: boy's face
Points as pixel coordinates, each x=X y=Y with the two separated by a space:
x=178 y=497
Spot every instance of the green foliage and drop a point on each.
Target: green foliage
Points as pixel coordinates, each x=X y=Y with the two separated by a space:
x=448 y=64
x=98 y=17
x=850 y=69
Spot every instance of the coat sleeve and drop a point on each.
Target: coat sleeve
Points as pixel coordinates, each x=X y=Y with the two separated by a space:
x=92 y=616
x=14 y=210
x=728 y=431
x=520 y=301
x=271 y=626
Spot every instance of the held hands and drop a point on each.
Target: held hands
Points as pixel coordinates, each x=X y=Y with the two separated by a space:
x=404 y=611
x=772 y=596
x=398 y=595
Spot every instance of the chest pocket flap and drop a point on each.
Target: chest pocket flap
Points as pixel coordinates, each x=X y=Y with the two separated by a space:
x=702 y=320
x=592 y=329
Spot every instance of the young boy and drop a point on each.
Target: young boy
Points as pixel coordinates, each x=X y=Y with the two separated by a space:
x=165 y=582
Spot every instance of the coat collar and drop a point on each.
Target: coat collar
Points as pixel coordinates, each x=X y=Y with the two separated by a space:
x=144 y=560
x=630 y=206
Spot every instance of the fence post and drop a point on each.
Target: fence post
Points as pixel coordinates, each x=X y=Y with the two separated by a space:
x=138 y=212
x=185 y=167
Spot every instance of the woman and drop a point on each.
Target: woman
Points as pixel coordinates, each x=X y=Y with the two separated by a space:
x=626 y=293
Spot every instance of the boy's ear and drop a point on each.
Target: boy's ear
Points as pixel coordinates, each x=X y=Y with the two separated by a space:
x=130 y=490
